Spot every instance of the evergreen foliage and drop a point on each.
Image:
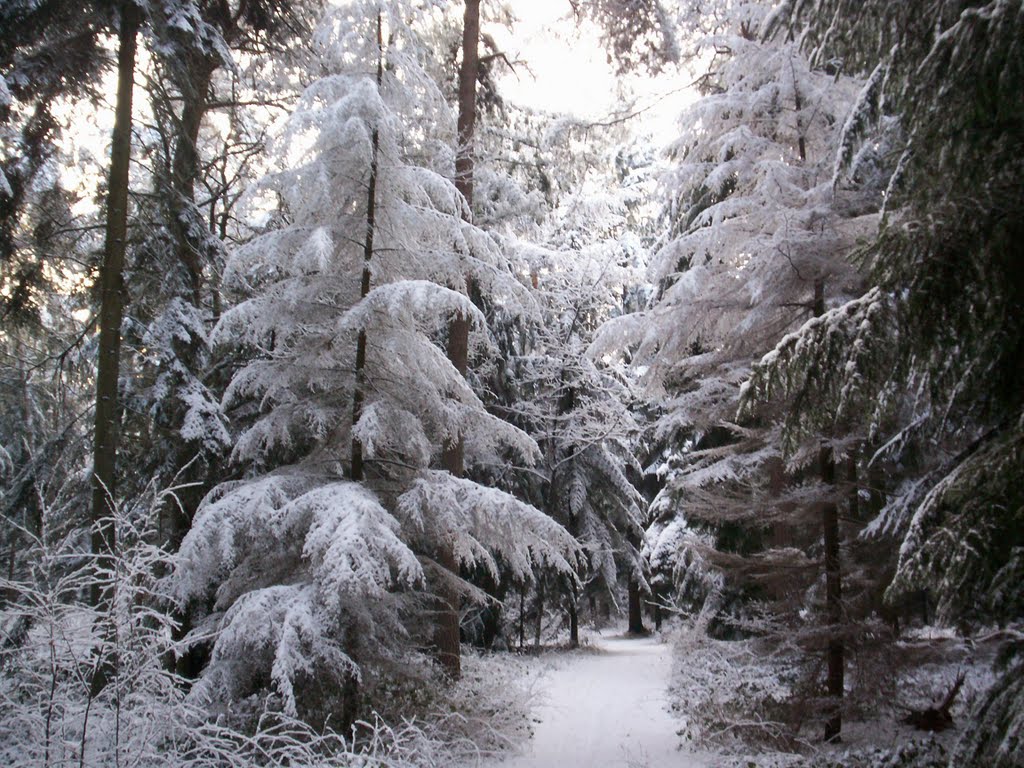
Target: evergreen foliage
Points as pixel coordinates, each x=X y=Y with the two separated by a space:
x=326 y=608
x=377 y=366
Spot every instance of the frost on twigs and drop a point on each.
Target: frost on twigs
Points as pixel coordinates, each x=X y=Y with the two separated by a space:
x=732 y=693
x=53 y=639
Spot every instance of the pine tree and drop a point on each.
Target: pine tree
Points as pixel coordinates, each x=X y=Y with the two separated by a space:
x=755 y=244
x=578 y=409
x=930 y=356
x=357 y=208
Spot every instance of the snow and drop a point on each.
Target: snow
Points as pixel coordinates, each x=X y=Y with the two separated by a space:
x=607 y=707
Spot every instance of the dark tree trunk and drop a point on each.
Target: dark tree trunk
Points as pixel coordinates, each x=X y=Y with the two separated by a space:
x=834 y=604
x=194 y=87
x=574 y=616
x=636 y=616
x=522 y=617
x=108 y=412
x=468 y=75
x=196 y=75
x=801 y=141
x=447 y=633
x=833 y=582
x=107 y=415
x=185 y=164
x=359 y=395
x=539 y=625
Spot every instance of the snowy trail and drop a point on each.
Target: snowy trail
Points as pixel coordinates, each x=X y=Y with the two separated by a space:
x=606 y=709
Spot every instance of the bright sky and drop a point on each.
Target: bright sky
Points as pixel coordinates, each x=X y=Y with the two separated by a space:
x=567 y=70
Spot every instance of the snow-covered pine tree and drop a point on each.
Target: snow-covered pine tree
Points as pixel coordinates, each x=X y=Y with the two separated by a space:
x=755 y=244
x=931 y=356
x=197 y=57
x=365 y=182
x=580 y=410
x=947 y=325
x=752 y=231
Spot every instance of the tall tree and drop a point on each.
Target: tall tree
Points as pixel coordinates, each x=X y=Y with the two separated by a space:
x=580 y=410
x=108 y=407
x=447 y=636
x=196 y=173
x=943 y=313
x=359 y=394
x=347 y=589
x=754 y=246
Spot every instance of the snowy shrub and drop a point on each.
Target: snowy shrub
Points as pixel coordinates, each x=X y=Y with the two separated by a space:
x=995 y=736
x=334 y=556
x=731 y=693
x=924 y=753
x=55 y=644
x=52 y=642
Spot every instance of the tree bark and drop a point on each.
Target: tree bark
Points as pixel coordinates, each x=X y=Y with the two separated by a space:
x=834 y=602
x=453 y=457
x=574 y=617
x=539 y=625
x=522 y=616
x=468 y=74
x=359 y=395
x=185 y=163
x=107 y=415
x=798 y=103
x=636 y=616
x=833 y=575
x=194 y=87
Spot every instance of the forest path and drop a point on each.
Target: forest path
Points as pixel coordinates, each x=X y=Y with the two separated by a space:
x=606 y=709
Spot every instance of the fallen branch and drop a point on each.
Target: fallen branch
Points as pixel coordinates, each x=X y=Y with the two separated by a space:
x=936 y=718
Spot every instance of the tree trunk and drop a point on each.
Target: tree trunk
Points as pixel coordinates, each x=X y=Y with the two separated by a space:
x=447 y=634
x=834 y=604
x=539 y=625
x=194 y=87
x=468 y=74
x=833 y=582
x=636 y=617
x=185 y=163
x=106 y=424
x=107 y=415
x=801 y=141
x=574 y=617
x=522 y=616
x=359 y=395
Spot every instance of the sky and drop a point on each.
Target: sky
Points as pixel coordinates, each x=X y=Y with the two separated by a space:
x=563 y=68
x=566 y=70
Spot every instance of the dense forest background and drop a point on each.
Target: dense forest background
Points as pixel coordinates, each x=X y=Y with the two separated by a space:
x=327 y=367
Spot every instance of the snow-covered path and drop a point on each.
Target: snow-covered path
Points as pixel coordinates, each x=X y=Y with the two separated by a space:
x=606 y=709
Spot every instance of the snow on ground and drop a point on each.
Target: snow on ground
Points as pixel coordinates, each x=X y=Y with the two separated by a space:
x=606 y=708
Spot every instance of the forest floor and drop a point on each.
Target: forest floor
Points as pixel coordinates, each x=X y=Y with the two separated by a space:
x=605 y=706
